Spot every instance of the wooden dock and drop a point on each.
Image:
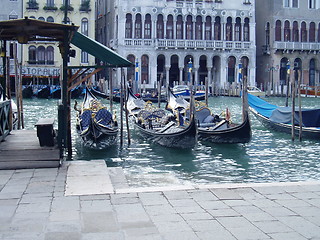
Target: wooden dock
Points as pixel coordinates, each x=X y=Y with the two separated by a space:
x=21 y=149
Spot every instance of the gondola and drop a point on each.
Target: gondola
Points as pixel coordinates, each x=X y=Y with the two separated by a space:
x=280 y=118
x=159 y=127
x=27 y=91
x=95 y=123
x=43 y=92
x=213 y=128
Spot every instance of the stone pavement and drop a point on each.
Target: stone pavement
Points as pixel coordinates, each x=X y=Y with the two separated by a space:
x=38 y=204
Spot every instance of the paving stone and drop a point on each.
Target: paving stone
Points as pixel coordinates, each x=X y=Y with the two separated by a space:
x=209 y=205
x=301 y=226
x=202 y=195
x=273 y=227
x=166 y=218
x=278 y=211
x=131 y=213
x=96 y=206
x=221 y=235
x=103 y=236
x=177 y=227
x=224 y=212
x=99 y=222
x=234 y=222
x=291 y=204
x=176 y=194
x=24 y=236
x=205 y=225
x=63 y=236
x=62 y=216
x=196 y=216
x=160 y=210
x=263 y=203
x=286 y=236
x=185 y=235
x=248 y=233
x=258 y=216
x=226 y=194
x=150 y=199
x=64 y=226
x=66 y=203
x=238 y=202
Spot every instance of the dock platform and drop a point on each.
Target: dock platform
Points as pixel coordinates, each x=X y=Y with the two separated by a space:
x=21 y=149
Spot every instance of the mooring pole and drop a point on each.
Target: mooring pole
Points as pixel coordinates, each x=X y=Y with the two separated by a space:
x=126 y=105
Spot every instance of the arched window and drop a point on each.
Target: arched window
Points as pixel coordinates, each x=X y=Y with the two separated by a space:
x=131 y=70
x=237 y=30
x=32 y=17
x=229 y=29
x=32 y=52
x=189 y=27
x=217 y=28
x=160 y=30
x=312 y=73
x=147 y=27
x=286 y=32
x=179 y=27
x=268 y=34
x=304 y=32
x=128 y=33
x=144 y=69
x=50 y=19
x=50 y=55
x=208 y=29
x=295 y=32
x=41 y=18
x=84 y=26
x=41 y=55
x=169 y=33
x=138 y=27
x=199 y=27
x=246 y=30
x=231 y=69
x=312 y=32
x=278 y=31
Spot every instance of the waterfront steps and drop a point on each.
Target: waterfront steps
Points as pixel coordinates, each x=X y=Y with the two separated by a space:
x=21 y=149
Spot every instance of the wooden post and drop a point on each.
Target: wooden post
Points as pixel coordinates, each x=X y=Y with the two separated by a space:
x=159 y=89
x=126 y=106
x=121 y=111
x=293 y=96
x=207 y=90
x=244 y=98
x=17 y=88
x=299 y=102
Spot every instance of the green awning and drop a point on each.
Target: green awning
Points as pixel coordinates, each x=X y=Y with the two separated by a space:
x=99 y=51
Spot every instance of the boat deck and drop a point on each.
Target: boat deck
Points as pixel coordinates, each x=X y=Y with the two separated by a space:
x=21 y=149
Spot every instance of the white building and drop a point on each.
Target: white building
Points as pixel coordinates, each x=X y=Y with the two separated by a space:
x=164 y=36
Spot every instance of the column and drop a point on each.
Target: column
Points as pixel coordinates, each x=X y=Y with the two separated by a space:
x=196 y=77
x=180 y=75
x=167 y=76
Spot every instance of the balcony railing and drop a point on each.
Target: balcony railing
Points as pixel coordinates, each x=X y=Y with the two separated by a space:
x=188 y=44
x=297 y=46
x=33 y=5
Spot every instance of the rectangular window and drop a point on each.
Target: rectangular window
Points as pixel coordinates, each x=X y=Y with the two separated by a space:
x=84 y=57
x=295 y=3
x=286 y=3
x=312 y=4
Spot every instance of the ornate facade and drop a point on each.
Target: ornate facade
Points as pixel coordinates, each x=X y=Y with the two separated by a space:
x=288 y=37
x=164 y=37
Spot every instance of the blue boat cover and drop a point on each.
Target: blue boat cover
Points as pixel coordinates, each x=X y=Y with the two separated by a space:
x=261 y=106
x=310 y=117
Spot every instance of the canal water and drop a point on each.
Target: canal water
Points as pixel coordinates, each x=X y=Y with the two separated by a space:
x=269 y=157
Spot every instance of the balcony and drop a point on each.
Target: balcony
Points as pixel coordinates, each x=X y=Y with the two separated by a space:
x=297 y=46
x=50 y=8
x=85 y=6
x=32 y=5
x=187 y=44
x=63 y=7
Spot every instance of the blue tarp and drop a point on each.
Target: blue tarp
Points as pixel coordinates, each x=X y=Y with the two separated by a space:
x=261 y=106
x=310 y=117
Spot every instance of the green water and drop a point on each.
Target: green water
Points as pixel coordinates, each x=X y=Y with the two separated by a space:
x=269 y=157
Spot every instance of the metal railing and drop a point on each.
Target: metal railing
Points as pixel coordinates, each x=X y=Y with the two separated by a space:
x=188 y=44
x=297 y=46
x=4 y=119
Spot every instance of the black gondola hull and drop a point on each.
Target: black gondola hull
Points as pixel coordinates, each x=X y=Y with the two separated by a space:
x=240 y=133
x=185 y=138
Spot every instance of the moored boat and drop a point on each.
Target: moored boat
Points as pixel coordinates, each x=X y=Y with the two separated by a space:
x=280 y=118
x=95 y=123
x=159 y=127
x=214 y=128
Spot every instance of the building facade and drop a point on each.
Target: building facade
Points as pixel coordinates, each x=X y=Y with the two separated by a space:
x=42 y=61
x=168 y=39
x=288 y=37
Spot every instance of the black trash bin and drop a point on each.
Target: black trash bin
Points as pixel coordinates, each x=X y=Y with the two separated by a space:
x=45 y=132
